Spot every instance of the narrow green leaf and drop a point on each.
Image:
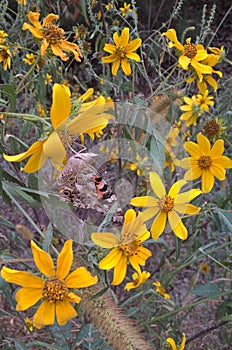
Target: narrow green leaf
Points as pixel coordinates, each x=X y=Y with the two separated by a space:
x=206 y=290
x=9 y=90
x=226 y=218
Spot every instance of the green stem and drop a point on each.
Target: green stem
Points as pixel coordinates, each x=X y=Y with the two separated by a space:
x=186 y=307
x=29 y=117
x=27 y=74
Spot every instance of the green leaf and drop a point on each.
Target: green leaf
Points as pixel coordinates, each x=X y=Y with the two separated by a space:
x=206 y=290
x=48 y=238
x=9 y=90
x=18 y=192
x=5 y=222
x=157 y=152
x=226 y=218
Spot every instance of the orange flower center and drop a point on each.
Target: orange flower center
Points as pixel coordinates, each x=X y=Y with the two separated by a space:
x=120 y=52
x=212 y=128
x=53 y=34
x=166 y=203
x=190 y=50
x=130 y=244
x=54 y=290
x=204 y=162
x=4 y=53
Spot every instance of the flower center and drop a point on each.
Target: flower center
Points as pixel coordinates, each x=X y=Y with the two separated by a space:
x=212 y=128
x=190 y=50
x=166 y=204
x=54 y=290
x=130 y=244
x=204 y=162
x=120 y=52
x=53 y=34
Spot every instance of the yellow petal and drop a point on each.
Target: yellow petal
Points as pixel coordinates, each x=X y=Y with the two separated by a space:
x=133 y=56
x=207 y=181
x=64 y=260
x=223 y=162
x=44 y=47
x=193 y=149
x=126 y=66
x=203 y=143
x=57 y=51
x=175 y=189
x=36 y=161
x=111 y=259
x=64 y=312
x=50 y=19
x=54 y=149
x=157 y=184
x=150 y=212
x=145 y=201
x=187 y=209
x=129 y=216
x=86 y=95
x=35 y=148
x=184 y=61
x=217 y=149
x=42 y=260
x=158 y=225
x=73 y=298
x=125 y=36
x=115 y=66
x=218 y=172
x=37 y=33
x=80 y=278
x=21 y=278
x=133 y=45
x=171 y=35
x=105 y=239
x=45 y=315
x=187 y=196
x=193 y=173
x=120 y=270
x=172 y=343
x=109 y=48
x=27 y=297
x=61 y=105
x=110 y=59
x=177 y=225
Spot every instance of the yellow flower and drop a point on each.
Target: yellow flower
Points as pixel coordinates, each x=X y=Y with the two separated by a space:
x=52 y=147
x=160 y=289
x=126 y=249
x=195 y=106
x=22 y=2
x=53 y=288
x=29 y=324
x=3 y=34
x=122 y=51
x=204 y=268
x=138 y=279
x=205 y=162
x=109 y=6
x=30 y=58
x=5 y=57
x=173 y=343
x=167 y=206
x=51 y=35
x=191 y=55
x=48 y=79
x=94 y=110
x=125 y=9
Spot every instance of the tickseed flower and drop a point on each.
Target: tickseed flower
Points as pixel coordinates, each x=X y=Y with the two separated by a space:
x=190 y=55
x=22 y=2
x=51 y=146
x=138 y=279
x=205 y=162
x=5 y=57
x=109 y=6
x=166 y=206
x=3 y=35
x=52 y=36
x=213 y=128
x=211 y=60
x=48 y=79
x=195 y=106
x=172 y=342
x=127 y=248
x=125 y=9
x=122 y=51
x=161 y=290
x=30 y=58
x=29 y=324
x=53 y=288
x=204 y=268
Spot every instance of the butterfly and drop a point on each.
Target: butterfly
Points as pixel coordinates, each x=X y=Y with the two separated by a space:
x=81 y=185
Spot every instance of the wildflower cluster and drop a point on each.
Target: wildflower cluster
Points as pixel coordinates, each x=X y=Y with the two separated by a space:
x=135 y=149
